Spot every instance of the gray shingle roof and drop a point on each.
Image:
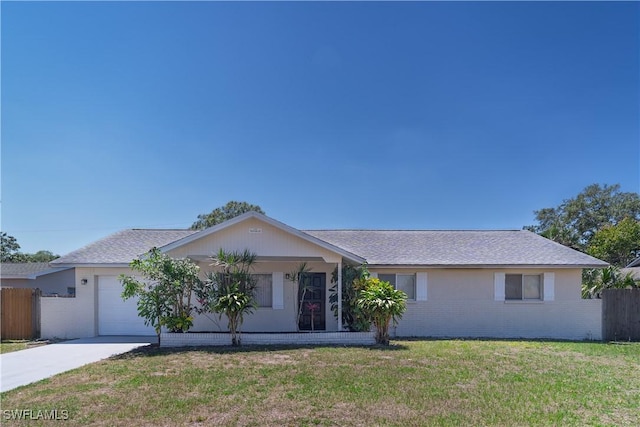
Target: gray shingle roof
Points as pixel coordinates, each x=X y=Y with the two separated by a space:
x=122 y=247
x=25 y=270
x=635 y=272
x=378 y=247
x=455 y=248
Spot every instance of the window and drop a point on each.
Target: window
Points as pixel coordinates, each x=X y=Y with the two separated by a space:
x=264 y=289
x=523 y=287
x=71 y=291
x=402 y=282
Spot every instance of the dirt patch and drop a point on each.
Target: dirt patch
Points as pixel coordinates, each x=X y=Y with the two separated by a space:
x=274 y=359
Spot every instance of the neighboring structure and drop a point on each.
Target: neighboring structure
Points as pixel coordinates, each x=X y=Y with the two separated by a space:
x=634 y=263
x=52 y=281
x=633 y=268
x=460 y=283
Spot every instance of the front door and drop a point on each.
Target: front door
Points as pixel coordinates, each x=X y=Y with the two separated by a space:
x=312 y=295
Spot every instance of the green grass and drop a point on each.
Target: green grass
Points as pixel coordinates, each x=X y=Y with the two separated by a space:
x=8 y=346
x=411 y=383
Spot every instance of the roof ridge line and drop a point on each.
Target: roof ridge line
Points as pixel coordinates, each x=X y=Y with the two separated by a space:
x=414 y=229
x=161 y=229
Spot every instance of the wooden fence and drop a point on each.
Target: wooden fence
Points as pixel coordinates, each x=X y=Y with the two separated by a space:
x=20 y=311
x=621 y=315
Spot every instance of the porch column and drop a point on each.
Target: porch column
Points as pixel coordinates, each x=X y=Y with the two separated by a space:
x=339 y=296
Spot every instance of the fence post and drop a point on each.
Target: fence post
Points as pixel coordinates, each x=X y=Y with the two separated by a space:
x=37 y=293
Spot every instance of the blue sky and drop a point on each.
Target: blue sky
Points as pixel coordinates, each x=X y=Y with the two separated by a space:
x=447 y=115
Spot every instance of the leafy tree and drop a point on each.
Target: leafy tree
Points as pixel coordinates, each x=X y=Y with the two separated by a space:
x=594 y=281
x=230 y=290
x=224 y=213
x=165 y=295
x=575 y=221
x=617 y=244
x=9 y=248
x=352 y=316
x=381 y=304
x=10 y=252
x=42 y=256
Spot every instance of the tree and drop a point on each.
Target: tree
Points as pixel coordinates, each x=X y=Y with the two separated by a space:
x=165 y=295
x=224 y=213
x=575 y=221
x=617 y=244
x=10 y=252
x=9 y=247
x=230 y=290
x=381 y=304
x=595 y=280
x=42 y=256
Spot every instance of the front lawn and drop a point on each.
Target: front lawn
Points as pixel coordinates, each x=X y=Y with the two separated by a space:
x=411 y=383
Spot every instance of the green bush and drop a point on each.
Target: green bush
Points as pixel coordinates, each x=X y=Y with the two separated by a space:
x=164 y=297
x=230 y=290
x=381 y=303
x=352 y=317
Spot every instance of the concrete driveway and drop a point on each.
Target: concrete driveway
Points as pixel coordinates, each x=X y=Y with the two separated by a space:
x=26 y=366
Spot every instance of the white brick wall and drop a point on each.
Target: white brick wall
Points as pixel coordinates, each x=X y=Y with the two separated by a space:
x=461 y=304
x=302 y=338
x=575 y=320
x=64 y=318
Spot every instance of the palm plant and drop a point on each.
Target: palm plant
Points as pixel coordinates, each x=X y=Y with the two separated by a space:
x=594 y=281
x=381 y=304
x=230 y=289
x=298 y=277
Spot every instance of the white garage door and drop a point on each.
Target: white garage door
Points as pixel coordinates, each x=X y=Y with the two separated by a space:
x=115 y=316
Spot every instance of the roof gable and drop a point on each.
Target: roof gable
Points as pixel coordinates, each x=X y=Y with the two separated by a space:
x=262 y=235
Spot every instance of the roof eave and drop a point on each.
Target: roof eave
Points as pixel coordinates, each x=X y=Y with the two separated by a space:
x=49 y=271
x=492 y=266
x=634 y=263
x=33 y=276
x=94 y=265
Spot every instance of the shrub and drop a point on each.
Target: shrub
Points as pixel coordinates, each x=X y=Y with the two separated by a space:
x=165 y=294
x=381 y=304
x=229 y=291
x=352 y=282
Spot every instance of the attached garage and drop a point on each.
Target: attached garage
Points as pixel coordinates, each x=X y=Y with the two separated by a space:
x=115 y=316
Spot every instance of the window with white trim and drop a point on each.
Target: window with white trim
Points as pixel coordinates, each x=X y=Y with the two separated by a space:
x=263 y=290
x=523 y=287
x=402 y=282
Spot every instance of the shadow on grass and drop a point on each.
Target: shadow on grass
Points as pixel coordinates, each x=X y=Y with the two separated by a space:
x=397 y=344
x=153 y=350
x=489 y=339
